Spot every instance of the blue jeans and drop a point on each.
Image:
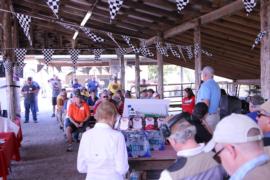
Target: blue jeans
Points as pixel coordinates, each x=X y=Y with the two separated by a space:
x=30 y=105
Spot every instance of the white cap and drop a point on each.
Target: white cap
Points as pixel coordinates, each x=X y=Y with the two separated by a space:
x=233 y=129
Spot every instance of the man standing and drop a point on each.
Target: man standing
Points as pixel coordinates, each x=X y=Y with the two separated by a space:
x=237 y=140
x=209 y=93
x=76 y=84
x=93 y=85
x=114 y=86
x=56 y=88
x=36 y=95
x=29 y=91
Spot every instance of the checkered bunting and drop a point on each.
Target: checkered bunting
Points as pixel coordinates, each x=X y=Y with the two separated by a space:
x=24 y=22
x=20 y=55
x=181 y=4
x=145 y=50
x=66 y=26
x=91 y=35
x=54 y=5
x=97 y=53
x=259 y=38
x=120 y=51
x=74 y=55
x=114 y=6
x=8 y=65
x=207 y=53
x=174 y=52
x=180 y=51
x=197 y=49
x=249 y=5
x=162 y=50
x=47 y=55
x=127 y=40
x=189 y=51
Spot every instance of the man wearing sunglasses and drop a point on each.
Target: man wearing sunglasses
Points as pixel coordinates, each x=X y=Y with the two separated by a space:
x=263 y=119
x=237 y=141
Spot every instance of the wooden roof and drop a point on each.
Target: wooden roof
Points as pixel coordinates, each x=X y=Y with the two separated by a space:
x=228 y=38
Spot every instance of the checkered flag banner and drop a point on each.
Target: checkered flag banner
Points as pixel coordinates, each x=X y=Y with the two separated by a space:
x=114 y=6
x=180 y=51
x=197 y=49
x=127 y=40
x=259 y=38
x=145 y=50
x=66 y=26
x=24 y=22
x=54 y=5
x=120 y=51
x=97 y=53
x=189 y=51
x=47 y=55
x=174 y=52
x=162 y=50
x=91 y=35
x=207 y=53
x=249 y=5
x=8 y=65
x=181 y=4
x=20 y=55
x=74 y=55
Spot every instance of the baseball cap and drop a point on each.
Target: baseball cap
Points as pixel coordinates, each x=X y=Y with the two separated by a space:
x=265 y=107
x=233 y=129
x=256 y=100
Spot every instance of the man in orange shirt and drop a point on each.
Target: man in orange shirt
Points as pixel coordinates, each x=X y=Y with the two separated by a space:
x=78 y=118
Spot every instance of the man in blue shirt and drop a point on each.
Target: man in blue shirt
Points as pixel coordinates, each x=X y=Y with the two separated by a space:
x=209 y=93
x=237 y=141
x=93 y=85
x=76 y=84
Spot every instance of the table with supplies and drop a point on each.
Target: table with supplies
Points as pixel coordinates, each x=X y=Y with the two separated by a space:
x=9 y=150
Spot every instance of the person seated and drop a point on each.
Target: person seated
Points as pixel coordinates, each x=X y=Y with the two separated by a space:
x=61 y=100
x=188 y=101
x=143 y=94
x=103 y=152
x=85 y=94
x=204 y=133
x=254 y=103
x=156 y=96
x=92 y=99
x=78 y=118
x=150 y=93
x=237 y=141
x=120 y=103
x=263 y=119
x=192 y=162
x=128 y=94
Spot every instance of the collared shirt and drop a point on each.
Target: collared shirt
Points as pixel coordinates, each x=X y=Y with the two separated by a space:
x=103 y=154
x=210 y=91
x=185 y=153
x=244 y=169
x=78 y=114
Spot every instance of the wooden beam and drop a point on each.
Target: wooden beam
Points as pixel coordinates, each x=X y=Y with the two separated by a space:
x=198 y=57
x=137 y=75
x=265 y=49
x=123 y=72
x=160 y=63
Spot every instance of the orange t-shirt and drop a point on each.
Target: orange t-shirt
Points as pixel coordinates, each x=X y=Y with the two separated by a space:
x=78 y=114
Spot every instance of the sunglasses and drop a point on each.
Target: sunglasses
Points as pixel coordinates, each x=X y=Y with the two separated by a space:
x=216 y=156
x=261 y=114
x=105 y=96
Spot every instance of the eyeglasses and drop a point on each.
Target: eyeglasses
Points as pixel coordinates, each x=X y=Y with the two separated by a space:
x=216 y=156
x=261 y=114
x=105 y=96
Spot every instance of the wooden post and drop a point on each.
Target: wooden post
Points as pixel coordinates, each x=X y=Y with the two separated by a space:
x=265 y=49
x=137 y=75
x=182 y=80
x=197 y=57
x=123 y=72
x=7 y=54
x=160 y=63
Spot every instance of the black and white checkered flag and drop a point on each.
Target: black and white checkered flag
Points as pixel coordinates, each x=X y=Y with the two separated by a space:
x=24 y=22
x=259 y=38
x=97 y=53
x=74 y=55
x=181 y=4
x=47 y=55
x=114 y=6
x=249 y=5
x=174 y=52
x=20 y=55
x=68 y=27
x=162 y=50
x=127 y=40
x=197 y=49
x=54 y=5
x=8 y=65
x=207 y=53
x=120 y=51
x=189 y=51
x=145 y=50
x=91 y=35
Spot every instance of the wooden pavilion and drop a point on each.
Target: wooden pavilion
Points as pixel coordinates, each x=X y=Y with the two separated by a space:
x=221 y=27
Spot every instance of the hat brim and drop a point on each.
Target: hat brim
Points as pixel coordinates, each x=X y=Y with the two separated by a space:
x=210 y=146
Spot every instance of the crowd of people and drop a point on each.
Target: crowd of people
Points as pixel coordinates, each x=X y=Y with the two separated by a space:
x=209 y=142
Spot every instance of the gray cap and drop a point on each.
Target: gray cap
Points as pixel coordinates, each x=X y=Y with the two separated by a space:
x=256 y=100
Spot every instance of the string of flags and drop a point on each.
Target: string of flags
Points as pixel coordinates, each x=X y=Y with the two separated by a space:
x=162 y=50
x=127 y=40
x=114 y=6
x=97 y=53
x=181 y=4
x=20 y=55
x=24 y=22
x=74 y=55
x=258 y=38
x=54 y=6
x=145 y=51
x=174 y=52
x=47 y=55
x=91 y=35
x=249 y=5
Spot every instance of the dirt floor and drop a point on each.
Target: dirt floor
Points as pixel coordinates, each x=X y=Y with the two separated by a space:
x=43 y=153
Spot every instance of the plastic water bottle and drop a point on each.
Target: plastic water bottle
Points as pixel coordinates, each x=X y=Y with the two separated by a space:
x=134 y=175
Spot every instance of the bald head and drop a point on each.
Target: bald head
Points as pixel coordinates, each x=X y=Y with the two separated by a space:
x=207 y=73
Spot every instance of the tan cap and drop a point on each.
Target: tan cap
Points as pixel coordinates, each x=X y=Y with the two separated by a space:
x=233 y=129
x=265 y=107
